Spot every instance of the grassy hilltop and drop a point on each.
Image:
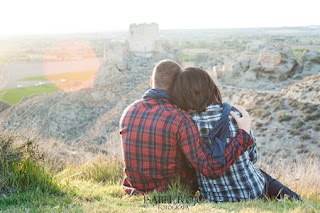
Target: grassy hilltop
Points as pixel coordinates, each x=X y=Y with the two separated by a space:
x=30 y=181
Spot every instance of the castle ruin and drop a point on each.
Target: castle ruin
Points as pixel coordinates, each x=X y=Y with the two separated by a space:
x=144 y=38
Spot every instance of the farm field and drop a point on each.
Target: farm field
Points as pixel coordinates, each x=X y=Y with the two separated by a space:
x=13 y=96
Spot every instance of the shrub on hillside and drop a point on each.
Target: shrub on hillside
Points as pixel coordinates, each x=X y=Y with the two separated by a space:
x=21 y=167
x=284 y=117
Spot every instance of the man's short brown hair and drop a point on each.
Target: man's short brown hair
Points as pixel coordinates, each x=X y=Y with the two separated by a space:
x=165 y=74
x=194 y=89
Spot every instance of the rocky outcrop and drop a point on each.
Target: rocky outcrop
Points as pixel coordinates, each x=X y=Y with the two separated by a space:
x=311 y=62
x=213 y=64
x=307 y=90
x=261 y=62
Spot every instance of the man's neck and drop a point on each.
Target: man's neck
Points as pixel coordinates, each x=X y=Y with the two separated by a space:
x=158 y=94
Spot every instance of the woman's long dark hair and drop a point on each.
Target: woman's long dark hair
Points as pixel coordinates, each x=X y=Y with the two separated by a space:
x=194 y=89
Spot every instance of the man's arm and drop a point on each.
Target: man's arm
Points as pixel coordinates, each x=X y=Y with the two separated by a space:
x=194 y=146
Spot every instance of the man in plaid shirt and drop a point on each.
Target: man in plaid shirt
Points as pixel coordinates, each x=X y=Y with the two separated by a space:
x=160 y=142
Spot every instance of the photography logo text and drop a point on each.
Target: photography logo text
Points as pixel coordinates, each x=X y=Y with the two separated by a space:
x=171 y=203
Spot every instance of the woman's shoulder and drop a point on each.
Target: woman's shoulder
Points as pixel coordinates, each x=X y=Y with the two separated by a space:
x=213 y=112
x=214 y=107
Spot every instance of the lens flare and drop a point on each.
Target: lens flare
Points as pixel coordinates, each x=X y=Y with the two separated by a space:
x=71 y=65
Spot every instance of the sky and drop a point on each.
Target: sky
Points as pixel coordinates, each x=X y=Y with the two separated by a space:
x=18 y=17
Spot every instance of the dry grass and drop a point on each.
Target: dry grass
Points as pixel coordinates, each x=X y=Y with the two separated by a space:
x=300 y=174
x=100 y=169
x=94 y=186
x=302 y=177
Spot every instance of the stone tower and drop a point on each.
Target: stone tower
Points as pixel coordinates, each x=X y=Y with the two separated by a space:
x=144 y=38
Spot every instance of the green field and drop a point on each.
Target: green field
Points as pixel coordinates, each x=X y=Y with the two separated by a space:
x=13 y=96
x=36 y=78
x=299 y=54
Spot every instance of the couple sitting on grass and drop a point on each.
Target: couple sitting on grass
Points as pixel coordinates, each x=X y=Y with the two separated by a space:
x=181 y=128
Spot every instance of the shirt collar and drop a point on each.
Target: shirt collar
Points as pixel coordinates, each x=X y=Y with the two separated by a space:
x=158 y=94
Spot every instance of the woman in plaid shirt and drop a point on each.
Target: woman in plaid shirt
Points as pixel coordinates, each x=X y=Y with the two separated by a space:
x=196 y=93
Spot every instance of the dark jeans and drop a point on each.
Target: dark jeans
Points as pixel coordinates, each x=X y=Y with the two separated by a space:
x=274 y=189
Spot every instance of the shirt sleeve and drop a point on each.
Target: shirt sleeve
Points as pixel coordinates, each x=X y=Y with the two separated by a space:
x=193 y=147
x=253 y=150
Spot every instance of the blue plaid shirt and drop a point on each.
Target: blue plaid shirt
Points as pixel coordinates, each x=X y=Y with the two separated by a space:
x=241 y=181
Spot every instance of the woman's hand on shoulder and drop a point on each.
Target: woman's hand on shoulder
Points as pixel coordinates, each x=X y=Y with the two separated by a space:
x=243 y=122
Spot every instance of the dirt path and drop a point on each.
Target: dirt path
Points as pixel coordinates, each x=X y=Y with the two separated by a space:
x=267 y=91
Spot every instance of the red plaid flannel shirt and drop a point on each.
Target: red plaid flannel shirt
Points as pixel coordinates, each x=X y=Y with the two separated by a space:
x=160 y=142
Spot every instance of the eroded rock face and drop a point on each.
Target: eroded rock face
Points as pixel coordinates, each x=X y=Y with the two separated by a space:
x=311 y=62
x=285 y=128
x=307 y=90
x=261 y=62
x=114 y=54
x=214 y=65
